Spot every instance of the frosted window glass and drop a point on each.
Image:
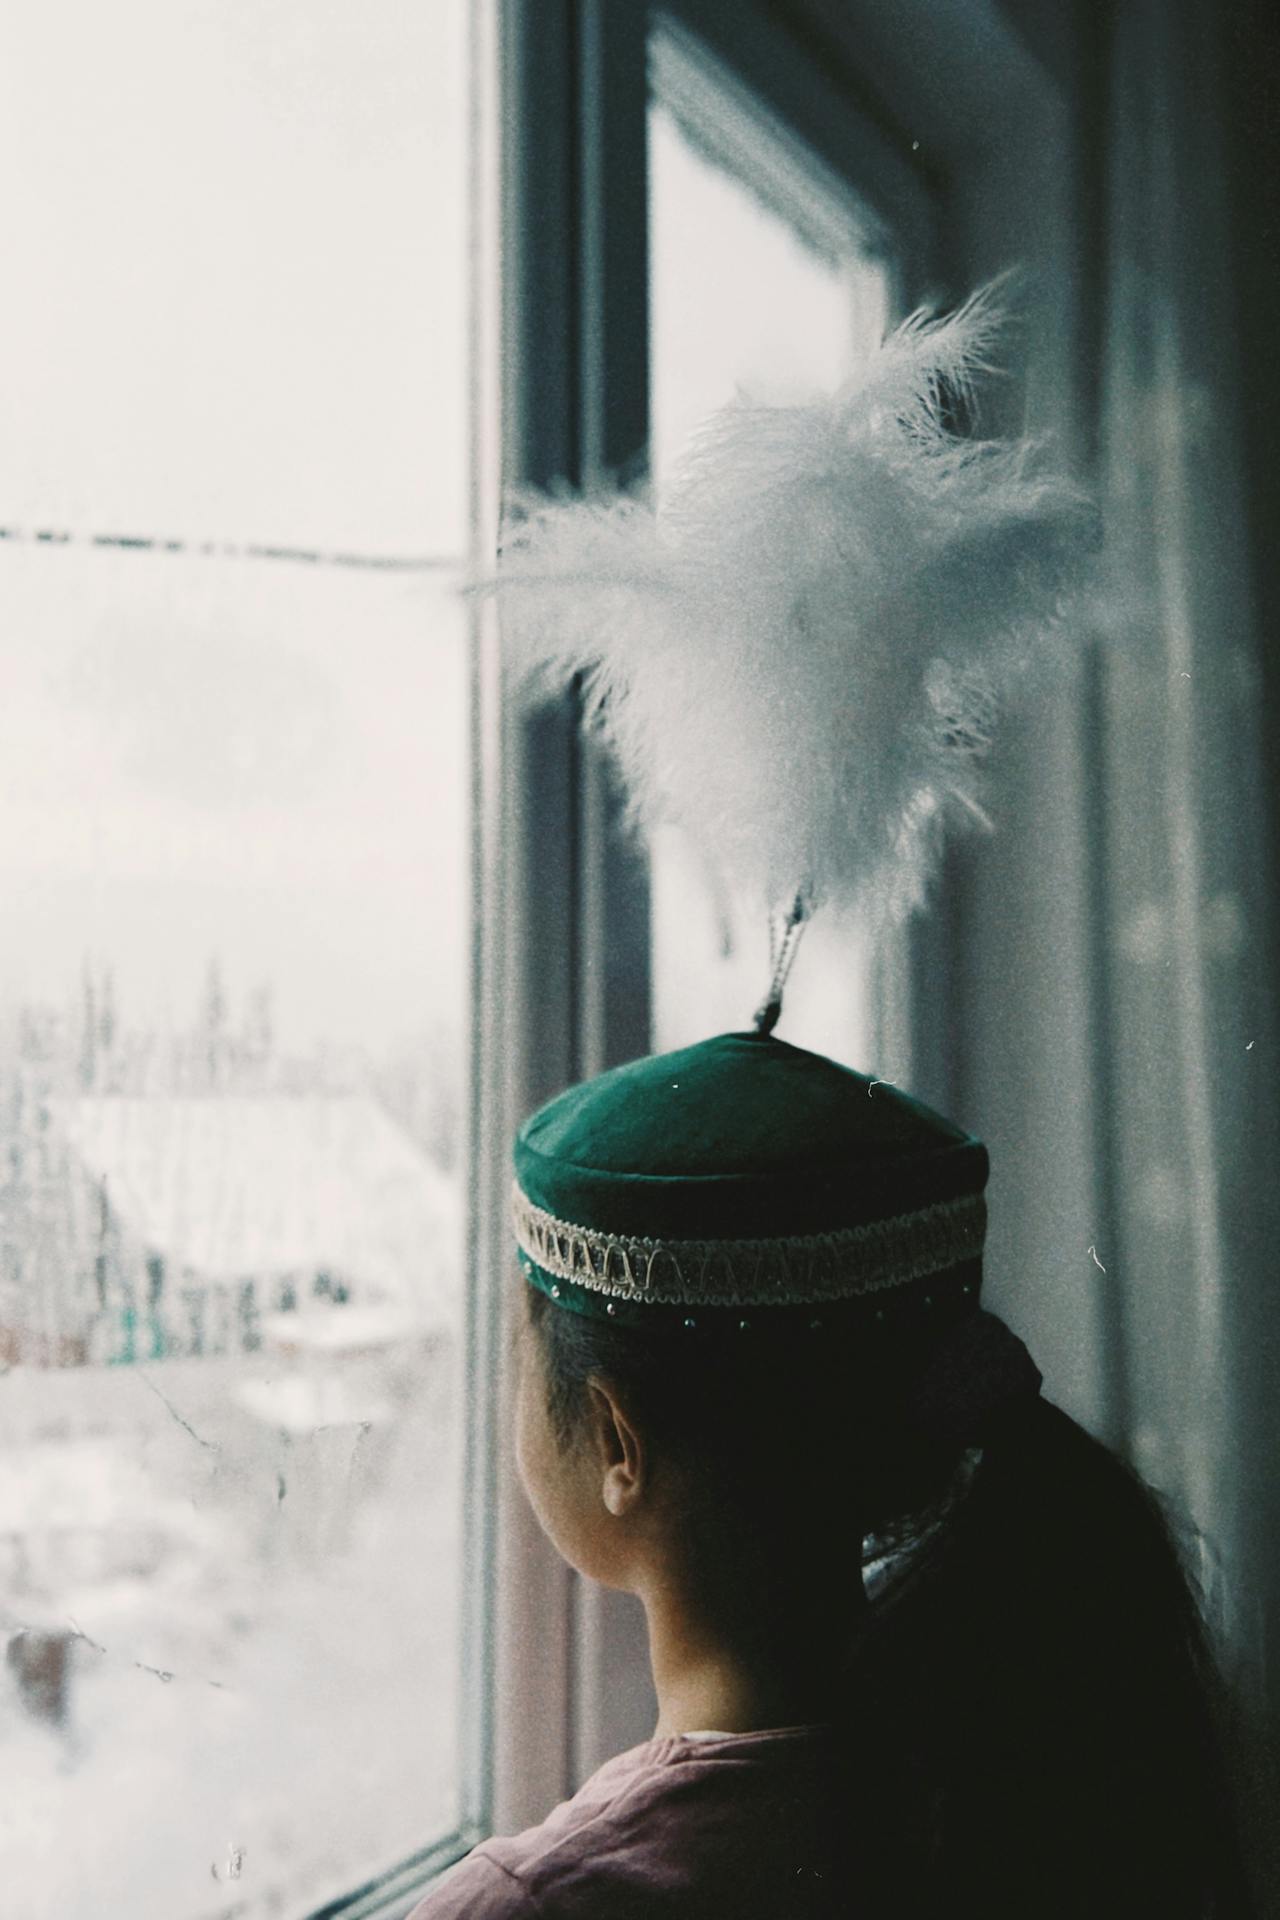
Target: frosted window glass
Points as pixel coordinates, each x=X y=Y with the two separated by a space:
x=233 y=952
x=741 y=301
x=235 y=291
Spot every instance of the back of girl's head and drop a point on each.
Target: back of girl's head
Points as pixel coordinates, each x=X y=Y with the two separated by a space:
x=1034 y=1709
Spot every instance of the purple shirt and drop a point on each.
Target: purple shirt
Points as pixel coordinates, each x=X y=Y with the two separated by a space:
x=730 y=1827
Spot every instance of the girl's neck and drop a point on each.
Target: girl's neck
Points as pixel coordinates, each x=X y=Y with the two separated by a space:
x=706 y=1680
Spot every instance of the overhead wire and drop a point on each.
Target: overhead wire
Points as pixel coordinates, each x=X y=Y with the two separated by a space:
x=230 y=550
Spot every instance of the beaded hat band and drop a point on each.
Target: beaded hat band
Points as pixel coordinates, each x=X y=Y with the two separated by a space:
x=778 y=1271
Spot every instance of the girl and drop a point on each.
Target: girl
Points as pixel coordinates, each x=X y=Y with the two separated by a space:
x=921 y=1646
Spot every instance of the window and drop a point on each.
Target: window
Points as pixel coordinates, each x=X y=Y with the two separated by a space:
x=237 y=485
x=612 y=114
x=768 y=276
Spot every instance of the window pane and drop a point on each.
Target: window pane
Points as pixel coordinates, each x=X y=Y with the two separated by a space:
x=742 y=299
x=233 y=978
x=236 y=299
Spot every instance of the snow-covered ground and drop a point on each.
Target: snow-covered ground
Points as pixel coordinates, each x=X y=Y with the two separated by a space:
x=262 y=1696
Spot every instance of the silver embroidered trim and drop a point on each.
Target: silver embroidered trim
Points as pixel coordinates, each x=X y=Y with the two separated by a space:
x=804 y=1269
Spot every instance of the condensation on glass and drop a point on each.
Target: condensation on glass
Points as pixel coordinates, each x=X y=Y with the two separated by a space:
x=767 y=279
x=234 y=478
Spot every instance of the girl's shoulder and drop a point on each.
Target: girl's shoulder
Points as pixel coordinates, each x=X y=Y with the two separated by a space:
x=478 y=1888
x=681 y=1825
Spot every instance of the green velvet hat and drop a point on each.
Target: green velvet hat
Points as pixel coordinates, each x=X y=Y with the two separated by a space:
x=743 y=1180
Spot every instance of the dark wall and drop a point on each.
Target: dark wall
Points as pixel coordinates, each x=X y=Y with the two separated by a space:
x=1047 y=28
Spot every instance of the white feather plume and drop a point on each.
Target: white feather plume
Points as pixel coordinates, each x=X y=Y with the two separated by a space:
x=798 y=654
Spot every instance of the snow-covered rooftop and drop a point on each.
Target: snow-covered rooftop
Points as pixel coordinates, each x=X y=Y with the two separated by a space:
x=234 y=1186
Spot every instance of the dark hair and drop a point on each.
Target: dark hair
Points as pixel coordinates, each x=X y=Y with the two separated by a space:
x=1044 y=1709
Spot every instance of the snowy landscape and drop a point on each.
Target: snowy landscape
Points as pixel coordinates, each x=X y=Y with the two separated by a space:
x=235 y=493
x=229 y=1478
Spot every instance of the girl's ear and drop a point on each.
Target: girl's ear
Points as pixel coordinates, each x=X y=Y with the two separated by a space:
x=621 y=1454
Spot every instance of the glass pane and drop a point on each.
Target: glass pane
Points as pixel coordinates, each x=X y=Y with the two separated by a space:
x=233 y=978
x=743 y=300
x=236 y=301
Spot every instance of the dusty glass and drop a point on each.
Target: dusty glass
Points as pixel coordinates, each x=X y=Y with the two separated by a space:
x=234 y=785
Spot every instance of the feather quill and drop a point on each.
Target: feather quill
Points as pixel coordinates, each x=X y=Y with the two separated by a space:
x=799 y=653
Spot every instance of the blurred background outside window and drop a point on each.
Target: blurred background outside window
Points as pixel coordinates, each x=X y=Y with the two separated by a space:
x=235 y=487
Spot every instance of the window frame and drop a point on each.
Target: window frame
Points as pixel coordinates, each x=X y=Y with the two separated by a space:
x=567 y=900
x=841 y=128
